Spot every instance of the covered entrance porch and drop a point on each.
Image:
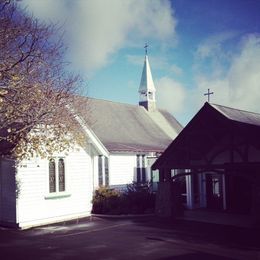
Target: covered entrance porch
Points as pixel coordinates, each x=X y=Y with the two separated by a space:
x=225 y=189
x=213 y=165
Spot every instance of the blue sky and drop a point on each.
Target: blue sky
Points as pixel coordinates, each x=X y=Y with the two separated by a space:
x=193 y=45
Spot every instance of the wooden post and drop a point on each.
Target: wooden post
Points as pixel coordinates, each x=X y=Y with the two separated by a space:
x=167 y=175
x=161 y=175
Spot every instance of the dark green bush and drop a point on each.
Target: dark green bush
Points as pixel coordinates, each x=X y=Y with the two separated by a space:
x=105 y=200
x=136 y=199
x=139 y=198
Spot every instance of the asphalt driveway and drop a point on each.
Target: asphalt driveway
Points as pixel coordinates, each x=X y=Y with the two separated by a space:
x=130 y=239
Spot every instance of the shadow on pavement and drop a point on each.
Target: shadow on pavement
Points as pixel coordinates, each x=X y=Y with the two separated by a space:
x=239 y=237
x=196 y=256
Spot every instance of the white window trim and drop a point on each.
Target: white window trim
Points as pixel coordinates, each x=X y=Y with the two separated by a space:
x=142 y=165
x=103 y=170
x=57 y=194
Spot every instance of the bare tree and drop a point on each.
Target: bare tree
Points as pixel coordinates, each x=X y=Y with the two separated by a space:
x=36 y=90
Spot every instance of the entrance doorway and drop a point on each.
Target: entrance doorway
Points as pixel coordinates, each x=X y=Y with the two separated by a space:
x=214 y=191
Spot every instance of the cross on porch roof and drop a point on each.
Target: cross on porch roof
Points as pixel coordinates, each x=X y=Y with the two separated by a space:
x=208 y=94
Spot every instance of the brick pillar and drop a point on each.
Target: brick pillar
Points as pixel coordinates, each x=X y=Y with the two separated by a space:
x=168 y=201
x=164 y=202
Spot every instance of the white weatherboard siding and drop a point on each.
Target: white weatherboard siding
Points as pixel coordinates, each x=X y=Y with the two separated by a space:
x=7 y=191
x=122 y=169
x=35 y=206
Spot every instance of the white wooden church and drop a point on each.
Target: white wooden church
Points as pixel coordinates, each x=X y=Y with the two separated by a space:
x=123 y=142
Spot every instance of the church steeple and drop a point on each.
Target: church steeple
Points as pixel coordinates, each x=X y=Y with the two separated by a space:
x=147 y=89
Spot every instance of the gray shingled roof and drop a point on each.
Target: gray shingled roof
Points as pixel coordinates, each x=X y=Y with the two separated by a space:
x=130 y=128
x=238 y=115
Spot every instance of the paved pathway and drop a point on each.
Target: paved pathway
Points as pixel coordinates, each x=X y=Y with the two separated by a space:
x=130 y=239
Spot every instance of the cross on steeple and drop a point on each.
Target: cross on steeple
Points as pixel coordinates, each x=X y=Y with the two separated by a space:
x=208 y=94
x=146 y=46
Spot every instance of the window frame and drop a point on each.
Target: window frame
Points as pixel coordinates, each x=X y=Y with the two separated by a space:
x=141 y=165
x=58 y=193
x=106 y=171
x=100 y=171
x=61 y=182
x=103 y=171
x=52 y=175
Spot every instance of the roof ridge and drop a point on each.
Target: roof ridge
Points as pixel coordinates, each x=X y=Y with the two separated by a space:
x=115 y=102
x=162 y=109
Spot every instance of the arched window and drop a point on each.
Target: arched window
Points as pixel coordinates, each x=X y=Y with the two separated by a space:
x=52 y=176
x=56 y=175
x=61 y=168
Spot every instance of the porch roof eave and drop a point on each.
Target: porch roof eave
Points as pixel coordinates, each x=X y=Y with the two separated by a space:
x=206 y=167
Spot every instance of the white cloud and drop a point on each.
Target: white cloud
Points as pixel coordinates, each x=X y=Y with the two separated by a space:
x=47 y=10
x=237 y=86
x=170 y=95
x=97 y=28
x=176 y=70
x=212 y=46
x=240 y=86
x=212 y=54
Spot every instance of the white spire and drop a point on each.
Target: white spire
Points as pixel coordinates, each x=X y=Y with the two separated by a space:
x=146 y=83
x=147 y=89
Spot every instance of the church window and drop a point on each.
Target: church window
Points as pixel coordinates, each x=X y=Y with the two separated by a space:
x=52 y=176
x=143 y=161
x=56 y=175
x=106 y=172
x=61 y=175
x=100 y=170
x=143 y=169
x=138 y=161
x=103 y=170
x=140 y=168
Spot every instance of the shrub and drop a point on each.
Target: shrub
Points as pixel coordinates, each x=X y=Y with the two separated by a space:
x=136 y=199
x=105 y=200
x=139 y=198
